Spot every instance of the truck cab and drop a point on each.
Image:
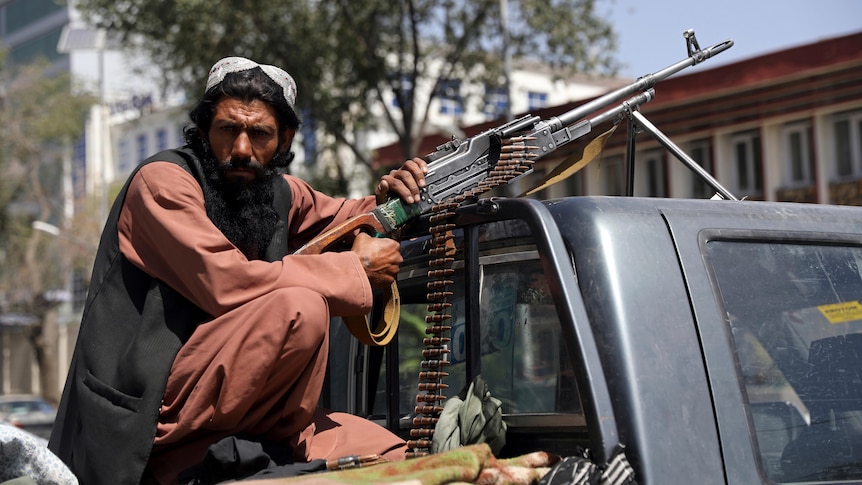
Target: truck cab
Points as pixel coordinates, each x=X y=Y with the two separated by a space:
x=711 y=340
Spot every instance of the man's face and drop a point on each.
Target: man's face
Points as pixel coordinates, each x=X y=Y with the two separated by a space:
x=244 y=138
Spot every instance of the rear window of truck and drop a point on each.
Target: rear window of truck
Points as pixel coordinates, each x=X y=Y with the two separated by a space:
x=520 y=348
x=795 y=315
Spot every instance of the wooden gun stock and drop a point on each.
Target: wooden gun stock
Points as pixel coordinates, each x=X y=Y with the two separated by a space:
x=366 y=222
x=382 y=220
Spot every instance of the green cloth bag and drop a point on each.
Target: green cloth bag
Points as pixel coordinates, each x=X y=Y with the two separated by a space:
x=471 y=417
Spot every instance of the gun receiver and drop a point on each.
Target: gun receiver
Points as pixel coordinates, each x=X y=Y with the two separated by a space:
x=461 y=169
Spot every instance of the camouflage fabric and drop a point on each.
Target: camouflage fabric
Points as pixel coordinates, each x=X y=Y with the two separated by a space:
x=470 y=464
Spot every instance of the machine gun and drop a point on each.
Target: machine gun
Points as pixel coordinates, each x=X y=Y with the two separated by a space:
x=463 y=169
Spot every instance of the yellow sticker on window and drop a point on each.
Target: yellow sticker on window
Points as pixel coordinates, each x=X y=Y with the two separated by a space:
x=842 y=312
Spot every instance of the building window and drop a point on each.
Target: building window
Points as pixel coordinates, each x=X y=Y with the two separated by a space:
x=124 y=163
x=143 y=149
x=611 y=176
x=496 y=102
x=654 y=181
x=701 y=152
x=451 y=102
x=161 y=140
x=536 y=100
x=796 y=154
x=747 y=163
x=847 y=130
x=575 y=184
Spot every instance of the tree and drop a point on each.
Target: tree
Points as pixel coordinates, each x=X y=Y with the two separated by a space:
x=347 y=54
x=40 y=117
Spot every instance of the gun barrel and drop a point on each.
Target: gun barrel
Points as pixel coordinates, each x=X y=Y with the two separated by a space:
x=641 y=84
x=695 y=58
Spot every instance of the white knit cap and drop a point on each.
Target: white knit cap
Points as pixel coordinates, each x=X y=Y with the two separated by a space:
x=236 y=64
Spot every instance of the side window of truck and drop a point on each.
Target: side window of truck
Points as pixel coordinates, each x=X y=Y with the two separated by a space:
x=794 y=311
x=523 y=358
x=520 y=349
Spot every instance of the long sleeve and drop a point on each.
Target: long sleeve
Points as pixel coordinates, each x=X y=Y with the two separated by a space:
x=165 y=231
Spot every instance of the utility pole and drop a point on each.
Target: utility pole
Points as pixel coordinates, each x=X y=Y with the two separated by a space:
x=507 y=58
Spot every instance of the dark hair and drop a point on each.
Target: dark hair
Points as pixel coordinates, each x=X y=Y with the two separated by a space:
x=247 y=86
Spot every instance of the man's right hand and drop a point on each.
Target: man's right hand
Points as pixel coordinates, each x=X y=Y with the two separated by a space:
x=381 y=258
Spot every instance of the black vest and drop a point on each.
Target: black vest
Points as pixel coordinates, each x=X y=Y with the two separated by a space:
x=131 y=330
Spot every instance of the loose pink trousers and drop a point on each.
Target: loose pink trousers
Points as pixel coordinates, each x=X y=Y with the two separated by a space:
x=259 y=370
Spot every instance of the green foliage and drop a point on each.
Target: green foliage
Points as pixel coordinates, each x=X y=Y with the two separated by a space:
x=345 y=54
x=41 y=116
x=573 y=35
x=41 y=108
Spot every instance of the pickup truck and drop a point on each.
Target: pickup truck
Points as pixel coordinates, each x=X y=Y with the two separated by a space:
x=719 y=341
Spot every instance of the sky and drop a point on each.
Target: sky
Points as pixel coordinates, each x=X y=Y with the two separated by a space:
x=649 y=32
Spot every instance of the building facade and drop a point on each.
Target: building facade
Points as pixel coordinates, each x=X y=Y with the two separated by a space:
x=784 y=126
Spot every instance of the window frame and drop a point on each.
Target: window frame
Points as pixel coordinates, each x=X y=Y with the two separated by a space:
x=161 y=139
x=752 y=143
x=699 y=189
x=496 y=102
x=653 y=165
x=142 y=146
x=611 y=175
x=536 y=100
x=854 y=148
x=804 y=158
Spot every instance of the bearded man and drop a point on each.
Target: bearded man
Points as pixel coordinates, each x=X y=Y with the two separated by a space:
x=200 y=325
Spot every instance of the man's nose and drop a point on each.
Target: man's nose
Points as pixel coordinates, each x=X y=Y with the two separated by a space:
x=241 y=146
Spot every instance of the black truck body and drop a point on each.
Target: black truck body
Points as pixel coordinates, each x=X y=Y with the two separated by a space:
x=719 y=341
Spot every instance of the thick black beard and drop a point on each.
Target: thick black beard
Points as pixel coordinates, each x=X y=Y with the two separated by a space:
x=243 y=211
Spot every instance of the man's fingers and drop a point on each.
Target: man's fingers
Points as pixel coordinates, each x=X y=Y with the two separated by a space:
x=405 y=182
x=417 y=168
x=409 y=179
x=382 y=187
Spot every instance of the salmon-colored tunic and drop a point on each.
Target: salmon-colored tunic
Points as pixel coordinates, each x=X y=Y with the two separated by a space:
x=257 y=367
